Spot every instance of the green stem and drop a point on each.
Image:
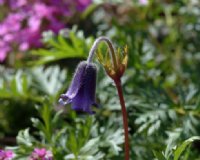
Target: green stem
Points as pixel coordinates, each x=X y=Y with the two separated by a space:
x=125 y=117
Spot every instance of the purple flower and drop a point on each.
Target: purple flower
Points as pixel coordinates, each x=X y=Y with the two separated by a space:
x=6 y=155
x=2 y=2
x=29 y=18
x=81 y=92
x=82 y=4
x=32 y=37
x=14 y=20
x=41 y=154
x=14 y=4
x=4 y=49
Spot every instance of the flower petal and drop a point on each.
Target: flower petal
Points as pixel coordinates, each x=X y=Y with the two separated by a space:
x=85 y=97
x=75 y=84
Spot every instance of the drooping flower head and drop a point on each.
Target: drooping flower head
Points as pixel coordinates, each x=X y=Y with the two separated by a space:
x=6 y=155
x=81 y=93
x=41 y=154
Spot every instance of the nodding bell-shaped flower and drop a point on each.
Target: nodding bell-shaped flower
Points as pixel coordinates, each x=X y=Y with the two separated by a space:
x=81 y=93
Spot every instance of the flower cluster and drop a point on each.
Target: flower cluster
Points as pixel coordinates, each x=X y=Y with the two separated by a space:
x=6 y=155
x=41 y=154
x=27 y=19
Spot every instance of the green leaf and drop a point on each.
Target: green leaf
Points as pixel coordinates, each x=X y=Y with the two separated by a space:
x=24 y=138
x=159 y=155
x=179 y=150
x=90 y=147
x=49 y=80
x=75 y=46
x=72 y=143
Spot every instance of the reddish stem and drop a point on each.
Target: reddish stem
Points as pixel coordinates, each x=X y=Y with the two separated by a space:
x=125 y=118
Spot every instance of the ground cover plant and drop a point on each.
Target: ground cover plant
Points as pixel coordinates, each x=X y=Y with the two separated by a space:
x=156 y=43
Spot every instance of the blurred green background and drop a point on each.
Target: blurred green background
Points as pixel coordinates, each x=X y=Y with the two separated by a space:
x=161 y=84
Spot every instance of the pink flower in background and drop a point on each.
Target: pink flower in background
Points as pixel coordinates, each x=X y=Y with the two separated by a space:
x=2 y=2
x=42 y=10
x=82 y=4
x=27 y=19
x=6 y=155
x=4 y=49
x=12 y=23
x=41 y=154
x=14 y=4
x=143 y=2
x=31 y=37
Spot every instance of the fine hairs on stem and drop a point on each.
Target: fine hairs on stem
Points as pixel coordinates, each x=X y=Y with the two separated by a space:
x=95 y=45
x=117 y=81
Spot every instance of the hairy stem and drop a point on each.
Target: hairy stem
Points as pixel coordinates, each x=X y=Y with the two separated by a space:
x=125 y=117
x=110 y=46
x=118 y=86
